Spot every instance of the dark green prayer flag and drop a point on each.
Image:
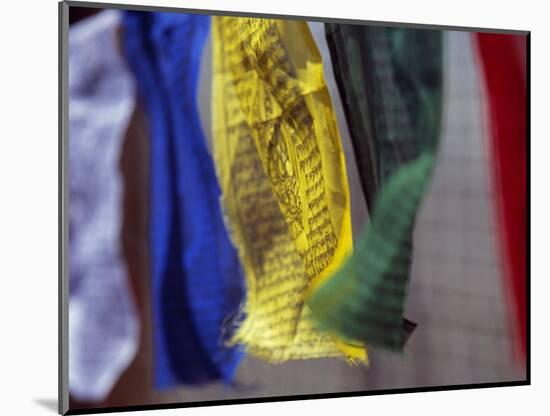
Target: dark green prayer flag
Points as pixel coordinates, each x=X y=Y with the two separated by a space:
x=390 y=81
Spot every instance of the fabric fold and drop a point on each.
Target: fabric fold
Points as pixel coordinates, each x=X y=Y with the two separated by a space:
x=282 y=169
x=196 y=275
x=103 y=321
x=390 y=81
x=503 y=60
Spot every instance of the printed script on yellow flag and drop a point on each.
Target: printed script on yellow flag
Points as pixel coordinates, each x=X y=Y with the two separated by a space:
x=284 y=184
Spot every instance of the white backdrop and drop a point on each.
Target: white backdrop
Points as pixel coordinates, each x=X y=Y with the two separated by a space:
x=29 y=209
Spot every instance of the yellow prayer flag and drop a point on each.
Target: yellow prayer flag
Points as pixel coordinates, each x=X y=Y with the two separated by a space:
x=284 y=184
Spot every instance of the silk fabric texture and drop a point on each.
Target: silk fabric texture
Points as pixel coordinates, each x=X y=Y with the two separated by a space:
x=284 y=184
x=196 y=276
x=390 y=82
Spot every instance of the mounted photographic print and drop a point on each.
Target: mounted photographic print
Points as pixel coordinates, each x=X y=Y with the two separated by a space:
x=260 y=208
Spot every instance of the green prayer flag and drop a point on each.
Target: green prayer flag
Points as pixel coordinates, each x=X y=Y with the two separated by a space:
x=390 y=81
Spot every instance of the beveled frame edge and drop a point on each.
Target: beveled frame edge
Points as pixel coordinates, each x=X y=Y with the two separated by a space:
x=63 y=218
